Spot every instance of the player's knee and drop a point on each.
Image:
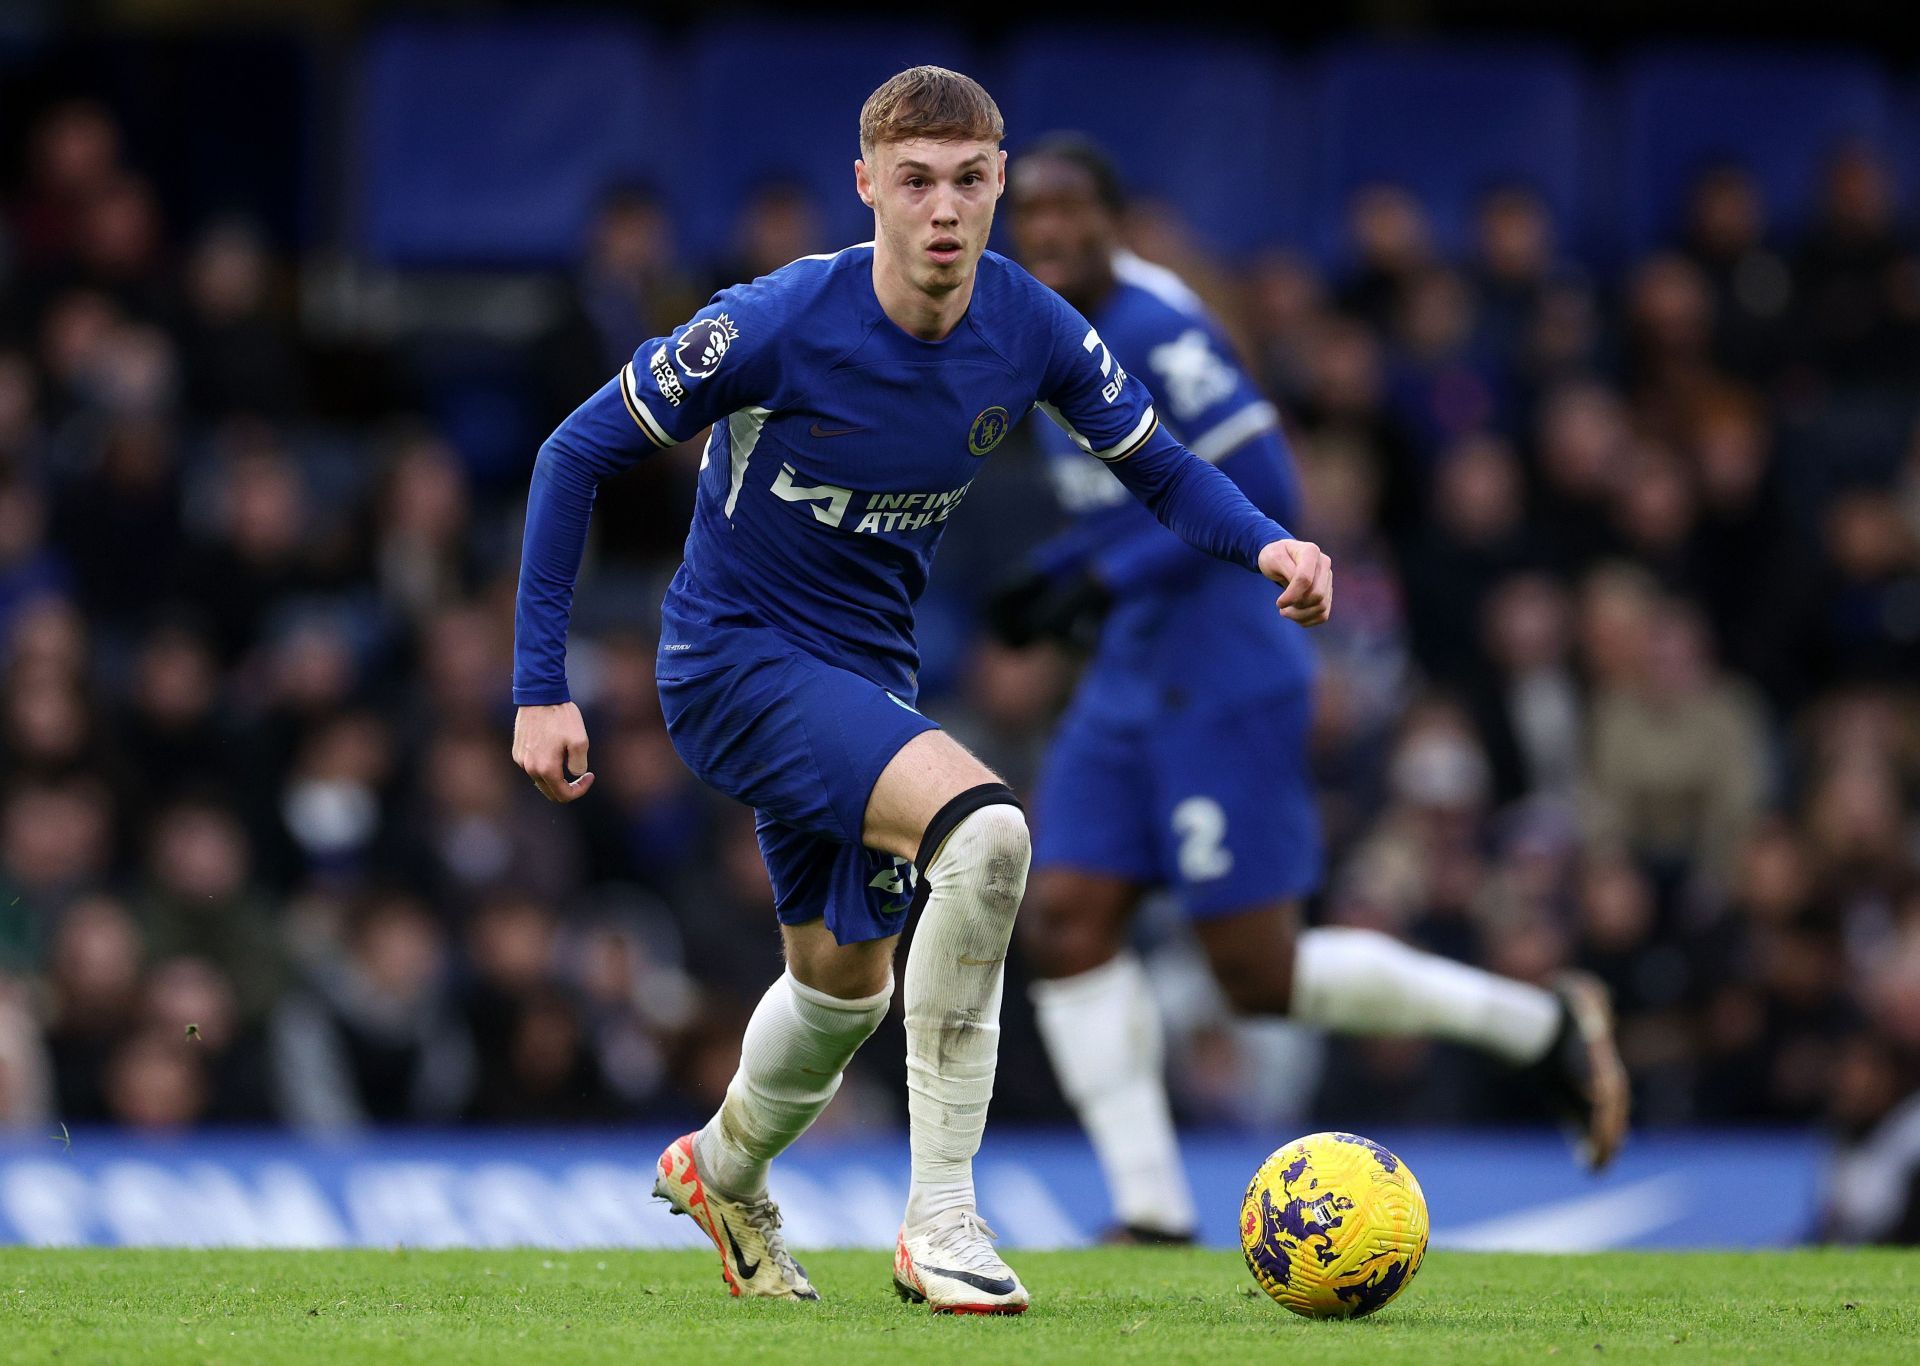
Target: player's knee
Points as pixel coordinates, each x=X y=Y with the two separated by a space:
x=841 y=1014
x=1005 y=853
x=1063 y=934
x=981 y=838
x=1255 y=983
x=1253 y=953
x=1267 y=990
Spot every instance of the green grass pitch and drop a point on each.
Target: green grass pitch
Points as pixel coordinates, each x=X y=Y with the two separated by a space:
x=1096 y=1306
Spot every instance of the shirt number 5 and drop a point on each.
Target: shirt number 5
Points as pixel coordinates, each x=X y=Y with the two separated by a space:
x=834 y=497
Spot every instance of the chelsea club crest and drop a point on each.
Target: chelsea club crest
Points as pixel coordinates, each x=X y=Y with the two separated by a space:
x=989 y=430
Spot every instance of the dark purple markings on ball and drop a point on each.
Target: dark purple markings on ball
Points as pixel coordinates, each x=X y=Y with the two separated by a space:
x=1269 y=1262
x=1386 y=1159
x=1311 y=1223
x=1377 y=1289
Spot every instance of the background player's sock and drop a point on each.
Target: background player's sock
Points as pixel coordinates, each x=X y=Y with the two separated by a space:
x=955 y=970
x=1102 y=1030
x=796 y=1046
x=1361 y=982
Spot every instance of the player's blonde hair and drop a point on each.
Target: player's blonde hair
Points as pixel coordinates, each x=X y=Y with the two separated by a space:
x=929 y=102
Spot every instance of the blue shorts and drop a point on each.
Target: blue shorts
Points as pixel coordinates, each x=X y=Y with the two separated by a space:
x=1215 y=803
x=802 y=742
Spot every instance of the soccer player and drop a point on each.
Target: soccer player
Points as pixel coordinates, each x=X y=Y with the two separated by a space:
x=852 y=399
x=1181 y=762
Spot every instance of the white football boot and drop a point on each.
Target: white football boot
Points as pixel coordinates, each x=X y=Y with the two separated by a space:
x=950 y=1266
x=753 y=1256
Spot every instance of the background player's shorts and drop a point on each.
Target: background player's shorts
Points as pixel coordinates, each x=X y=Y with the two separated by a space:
x=803 y=743
x=1216 y=803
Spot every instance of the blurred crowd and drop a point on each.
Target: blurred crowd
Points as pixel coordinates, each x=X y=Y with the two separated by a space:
x=1622 y=672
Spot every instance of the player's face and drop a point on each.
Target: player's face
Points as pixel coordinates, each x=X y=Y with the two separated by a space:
x=933 y=206
x=1062 y=232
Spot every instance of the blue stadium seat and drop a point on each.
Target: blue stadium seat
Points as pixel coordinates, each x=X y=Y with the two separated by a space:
x=1217 y=127
x=780 y=99
x=489 y=143
x=1780 y=114
x=1450 y=122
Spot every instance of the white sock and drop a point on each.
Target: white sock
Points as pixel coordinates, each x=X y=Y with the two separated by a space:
x=796 y=1046
x=955 y=970
x=1361 y=982
x=1102 y=1030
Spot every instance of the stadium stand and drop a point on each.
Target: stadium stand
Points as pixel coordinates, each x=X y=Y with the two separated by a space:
x=1627 y=513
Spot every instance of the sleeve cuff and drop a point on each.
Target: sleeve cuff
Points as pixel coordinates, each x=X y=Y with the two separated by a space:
x=1270 y=532
x=541 y=695
x=1234 y=431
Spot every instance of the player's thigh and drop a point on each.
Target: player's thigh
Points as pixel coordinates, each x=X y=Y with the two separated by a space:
x=1251 y=952
x=927 y=772
x=796 y=738
x=1236 y=817
x=1073 y=920
x=848 y=971
x=1093 y=846
x=841 y=907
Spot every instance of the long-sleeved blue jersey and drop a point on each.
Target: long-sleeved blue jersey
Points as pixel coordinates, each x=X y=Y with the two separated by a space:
x=840 y=445
x=1183 y=624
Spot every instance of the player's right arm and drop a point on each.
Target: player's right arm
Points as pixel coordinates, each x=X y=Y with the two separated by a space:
x=674 y=386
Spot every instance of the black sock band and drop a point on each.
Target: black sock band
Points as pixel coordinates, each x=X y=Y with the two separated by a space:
x=947 y=819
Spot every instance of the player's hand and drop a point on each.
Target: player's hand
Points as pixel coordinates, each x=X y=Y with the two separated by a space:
x=548 y=744
x=1307 y=572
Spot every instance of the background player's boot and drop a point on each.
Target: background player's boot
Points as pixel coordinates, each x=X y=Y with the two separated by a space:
x=1144 y=1235
x=1581 y=1074
x=950 y=1266
x=753 y=1256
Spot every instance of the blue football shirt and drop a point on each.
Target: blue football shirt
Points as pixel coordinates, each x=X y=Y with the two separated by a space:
x=840 y=446
x=1184 y=626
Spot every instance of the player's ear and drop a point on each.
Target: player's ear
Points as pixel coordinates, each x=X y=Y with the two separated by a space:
x=1002 y=187
x=863 y=182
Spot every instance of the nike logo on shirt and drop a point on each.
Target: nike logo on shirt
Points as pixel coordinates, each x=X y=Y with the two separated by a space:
x=817 y=430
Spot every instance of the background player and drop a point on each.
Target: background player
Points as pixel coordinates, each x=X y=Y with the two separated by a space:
x=852 y=398
x=1181 y=761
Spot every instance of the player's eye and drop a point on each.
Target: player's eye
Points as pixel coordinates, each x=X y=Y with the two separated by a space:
x=914 y=182
x=971 y=178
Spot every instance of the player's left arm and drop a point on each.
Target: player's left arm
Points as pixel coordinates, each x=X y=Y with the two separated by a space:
x=1196 y=384
x=1109 y=414
x=1074 y=578
x=1147 y=557
x=1208 y=511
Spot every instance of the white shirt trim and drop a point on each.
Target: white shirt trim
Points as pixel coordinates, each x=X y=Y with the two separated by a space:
x=1158 y=281
x=1119 y=451
x=829 y=255
x=1231 y=433
x=638 y=410
x=743 y=434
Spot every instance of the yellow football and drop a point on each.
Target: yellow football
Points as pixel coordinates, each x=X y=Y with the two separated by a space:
x=1333 y=1226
